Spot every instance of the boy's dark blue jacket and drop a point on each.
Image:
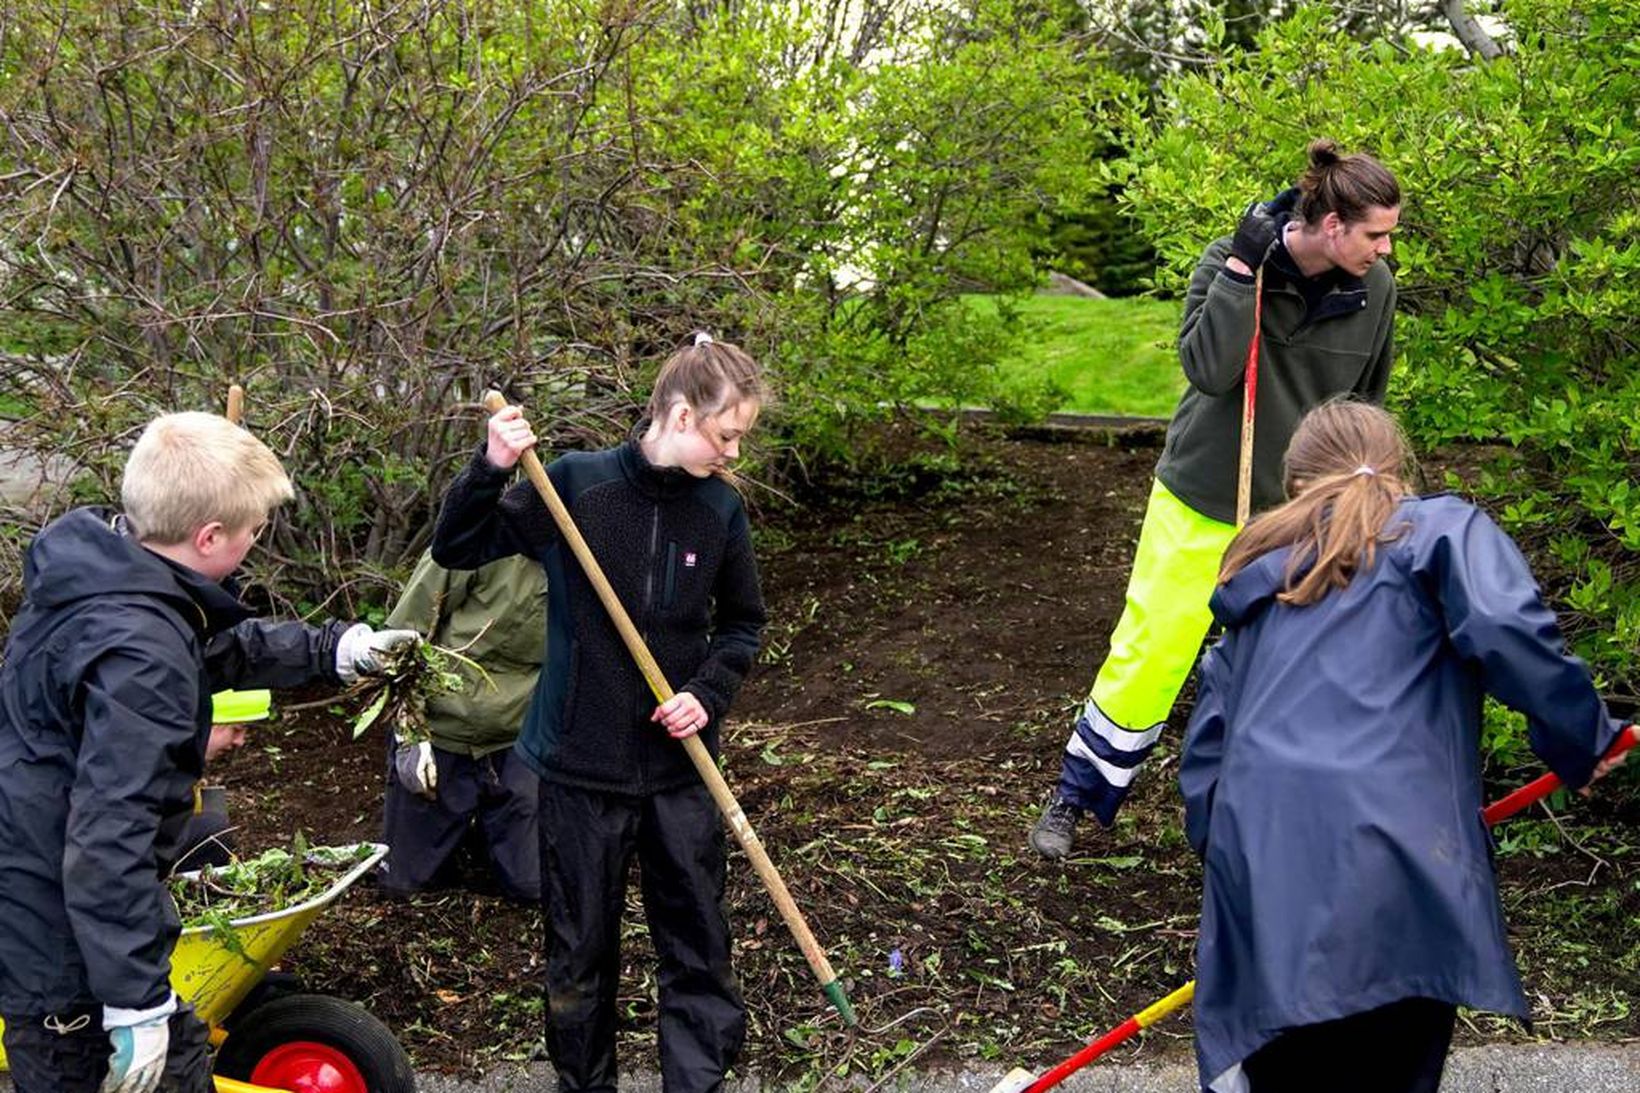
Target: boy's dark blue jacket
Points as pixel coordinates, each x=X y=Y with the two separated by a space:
x=104 y=714
x=677 y=551
x=1331 y=777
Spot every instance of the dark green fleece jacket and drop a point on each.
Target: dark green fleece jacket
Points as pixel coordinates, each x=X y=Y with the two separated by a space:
x=1322 y=337
x=497 y=617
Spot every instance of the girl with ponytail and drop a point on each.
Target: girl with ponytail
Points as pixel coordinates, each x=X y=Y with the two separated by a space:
x=1331 y=770
x=661 y=514
x=1346 y=472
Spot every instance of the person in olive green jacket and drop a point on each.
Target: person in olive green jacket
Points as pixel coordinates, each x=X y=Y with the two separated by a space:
x=1327 y=332
x=467 y=776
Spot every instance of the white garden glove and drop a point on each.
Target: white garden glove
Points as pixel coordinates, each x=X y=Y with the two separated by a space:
x=416 y=767
x=140 y=1040
x=360 y=650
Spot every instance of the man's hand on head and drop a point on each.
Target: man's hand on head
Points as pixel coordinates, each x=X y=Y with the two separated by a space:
x=1254 y=238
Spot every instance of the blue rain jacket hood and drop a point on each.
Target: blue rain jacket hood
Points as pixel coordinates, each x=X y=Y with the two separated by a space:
x=1332 y=783
x=91 y=552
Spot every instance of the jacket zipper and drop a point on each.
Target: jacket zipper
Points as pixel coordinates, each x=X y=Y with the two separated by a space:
x=669 y=587
x=648 y=601
x=649 y=570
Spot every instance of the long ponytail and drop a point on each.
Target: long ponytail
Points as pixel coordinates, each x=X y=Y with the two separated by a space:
x=1345 y=472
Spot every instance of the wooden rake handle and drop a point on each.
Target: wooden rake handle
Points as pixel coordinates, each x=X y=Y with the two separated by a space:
x=236 y=404
x=749 y=842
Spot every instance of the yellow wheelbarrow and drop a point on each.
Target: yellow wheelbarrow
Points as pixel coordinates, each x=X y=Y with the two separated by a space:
x=271 y=1036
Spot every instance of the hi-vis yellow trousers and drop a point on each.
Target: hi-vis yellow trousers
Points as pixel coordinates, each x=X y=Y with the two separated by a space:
x=1154 y=646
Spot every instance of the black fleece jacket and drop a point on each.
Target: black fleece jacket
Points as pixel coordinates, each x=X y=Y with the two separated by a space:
x=677 y=551
x=105 y=709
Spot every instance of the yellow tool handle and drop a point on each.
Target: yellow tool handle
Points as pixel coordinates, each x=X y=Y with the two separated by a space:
x=230 y=1085
x=1158 y=1010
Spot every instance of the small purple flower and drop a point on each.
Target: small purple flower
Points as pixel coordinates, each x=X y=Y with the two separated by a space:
x=896 y=962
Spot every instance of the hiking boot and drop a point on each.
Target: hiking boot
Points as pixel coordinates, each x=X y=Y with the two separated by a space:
x=1055 y=829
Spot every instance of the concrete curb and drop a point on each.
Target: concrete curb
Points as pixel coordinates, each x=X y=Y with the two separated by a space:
x=1494 y=1068
x=979 y=415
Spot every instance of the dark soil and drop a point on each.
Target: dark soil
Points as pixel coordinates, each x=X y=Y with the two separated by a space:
x=933 y=630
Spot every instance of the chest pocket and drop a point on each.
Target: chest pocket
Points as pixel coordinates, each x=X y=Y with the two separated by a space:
x=686 y=576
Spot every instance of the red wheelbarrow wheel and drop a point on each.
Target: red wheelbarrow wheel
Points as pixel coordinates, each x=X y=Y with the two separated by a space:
x=312 y=1043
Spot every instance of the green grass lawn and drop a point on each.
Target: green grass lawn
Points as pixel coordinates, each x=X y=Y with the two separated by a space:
x=1108 y=356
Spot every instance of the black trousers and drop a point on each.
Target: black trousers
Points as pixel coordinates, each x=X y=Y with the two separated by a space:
x=588 y=841
x=496 y=793
x=68 y=1052
x=1398 y=1048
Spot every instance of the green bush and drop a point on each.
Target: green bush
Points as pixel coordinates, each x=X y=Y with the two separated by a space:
x=1518 y=261
x=368 y=215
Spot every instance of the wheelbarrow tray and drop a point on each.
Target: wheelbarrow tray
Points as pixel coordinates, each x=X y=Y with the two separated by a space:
x=215 y=968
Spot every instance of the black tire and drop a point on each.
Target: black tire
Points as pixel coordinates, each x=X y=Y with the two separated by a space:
x=342 y=1026
x=272 y=985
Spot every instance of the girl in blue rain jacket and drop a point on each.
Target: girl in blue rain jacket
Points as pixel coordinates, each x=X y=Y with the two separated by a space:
x=1331 y=771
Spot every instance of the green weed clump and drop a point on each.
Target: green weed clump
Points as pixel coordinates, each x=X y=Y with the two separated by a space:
x=272 y=881
x=414 y=675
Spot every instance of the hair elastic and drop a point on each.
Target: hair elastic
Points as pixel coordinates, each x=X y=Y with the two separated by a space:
x=1366 y=470
x=702 y=338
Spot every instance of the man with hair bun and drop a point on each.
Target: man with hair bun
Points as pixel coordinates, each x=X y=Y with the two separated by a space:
x=1327 y=331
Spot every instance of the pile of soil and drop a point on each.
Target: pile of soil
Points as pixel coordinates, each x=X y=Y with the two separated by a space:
x=933 y=631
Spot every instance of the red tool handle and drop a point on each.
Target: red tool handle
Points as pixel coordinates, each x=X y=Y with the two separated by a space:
x=1539 y=788
x=1126 y=1030
x=1249 y=406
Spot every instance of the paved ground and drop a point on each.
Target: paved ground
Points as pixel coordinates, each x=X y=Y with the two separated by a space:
x=1499 y=1069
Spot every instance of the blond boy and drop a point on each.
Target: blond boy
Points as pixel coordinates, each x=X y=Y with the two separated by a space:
x=127 y=626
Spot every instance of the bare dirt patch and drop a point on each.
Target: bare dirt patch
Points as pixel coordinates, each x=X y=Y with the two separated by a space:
x=933 y=629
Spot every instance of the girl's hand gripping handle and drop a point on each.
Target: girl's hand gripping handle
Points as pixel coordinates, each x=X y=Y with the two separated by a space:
x=1537 y=789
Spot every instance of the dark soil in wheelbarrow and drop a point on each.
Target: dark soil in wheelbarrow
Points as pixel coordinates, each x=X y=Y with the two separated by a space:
x=934 y=627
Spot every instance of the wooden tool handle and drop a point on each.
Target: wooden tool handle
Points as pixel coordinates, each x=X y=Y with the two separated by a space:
x=749 y=842
x=236 y=403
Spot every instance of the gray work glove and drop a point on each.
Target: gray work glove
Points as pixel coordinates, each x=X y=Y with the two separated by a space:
x=1255 y=235
x=139 y=1041
x=416 y=768
x=361 y=651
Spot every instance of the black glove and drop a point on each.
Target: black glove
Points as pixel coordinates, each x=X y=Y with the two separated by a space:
x=1255 y=235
